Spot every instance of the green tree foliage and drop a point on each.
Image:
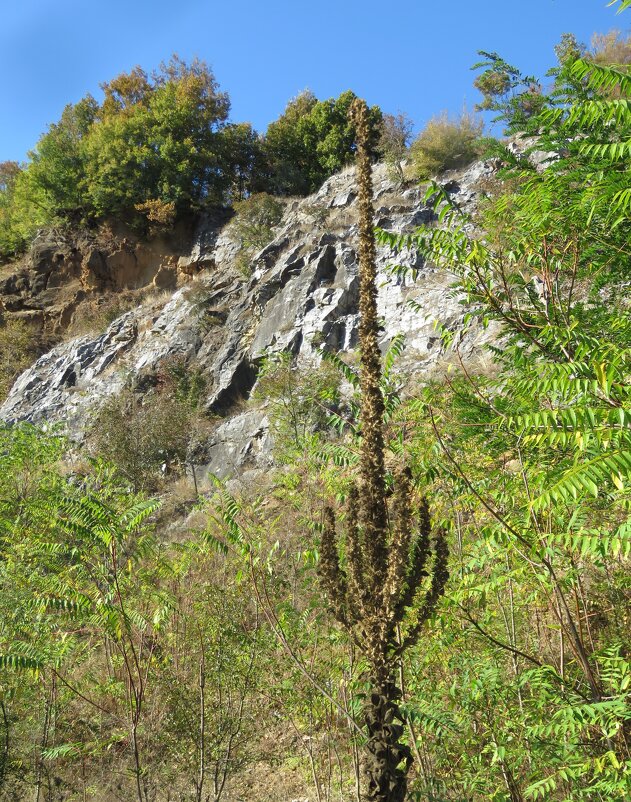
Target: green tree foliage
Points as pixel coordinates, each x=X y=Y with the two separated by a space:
x=15 y=223
x=9 y=172
x=58 y=163
x=310 y=141
x=242 y=154
x=51 y=187
x=518 y=99
x=158 y=138
x=505 y=90
x=159 y=147
x=153 y=140
x=538 y=459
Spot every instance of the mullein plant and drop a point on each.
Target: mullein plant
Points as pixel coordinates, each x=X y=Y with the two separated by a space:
x=395 y=567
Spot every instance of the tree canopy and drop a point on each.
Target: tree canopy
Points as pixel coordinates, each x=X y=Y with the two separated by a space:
x=163 y=141
x=310 y=141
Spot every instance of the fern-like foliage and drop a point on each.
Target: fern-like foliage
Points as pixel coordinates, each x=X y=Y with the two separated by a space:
x=390 y=383
x=581 y=412
x=624 y=4
x=601 y=775
x=539 y=452
x=75 y=557
x=533 y=277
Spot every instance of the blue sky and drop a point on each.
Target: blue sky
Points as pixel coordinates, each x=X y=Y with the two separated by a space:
x=405 y=55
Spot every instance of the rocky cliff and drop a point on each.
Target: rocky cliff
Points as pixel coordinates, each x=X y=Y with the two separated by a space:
x=300 y=295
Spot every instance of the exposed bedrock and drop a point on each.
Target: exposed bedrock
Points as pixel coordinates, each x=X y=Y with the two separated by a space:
x=301 y=295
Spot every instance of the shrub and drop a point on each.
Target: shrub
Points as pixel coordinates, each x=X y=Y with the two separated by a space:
x=317 y=213
x=298 y=400
x=144 y=437
x=186 y=383
x=94 y=318
x=18 y=347
x=446 y=144
x=394 y=139
x=613 y=47
x=255 y=219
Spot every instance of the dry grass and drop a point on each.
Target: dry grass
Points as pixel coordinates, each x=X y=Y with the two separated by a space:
x=94 y=316
x=446 y=144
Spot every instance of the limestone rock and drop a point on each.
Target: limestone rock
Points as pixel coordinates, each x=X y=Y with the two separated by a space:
x=241 y=441
x=301 y=295
x=165 y=278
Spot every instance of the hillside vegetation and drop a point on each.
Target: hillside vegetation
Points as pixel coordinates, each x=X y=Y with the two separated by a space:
x=429 y=597
x=160 y=147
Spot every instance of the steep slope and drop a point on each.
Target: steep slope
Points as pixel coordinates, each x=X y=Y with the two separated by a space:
x=301 y=295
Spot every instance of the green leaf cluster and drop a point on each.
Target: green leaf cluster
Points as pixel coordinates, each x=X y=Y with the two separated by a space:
x=310 y=141
x=528 y=674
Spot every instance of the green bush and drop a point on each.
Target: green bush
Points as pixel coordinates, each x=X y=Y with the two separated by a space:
x=144 y=437
x=298 y=400
x=446 y=144
x=18 y=348
x=186 y=383
x=255 y=219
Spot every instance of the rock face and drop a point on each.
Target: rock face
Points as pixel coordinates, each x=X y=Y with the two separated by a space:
x=61 y=271
x=301 y=296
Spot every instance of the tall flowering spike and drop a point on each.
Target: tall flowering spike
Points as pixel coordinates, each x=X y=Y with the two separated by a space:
x=356 y=586
x=385 y=563
x=399 y=551
x=420 y=552
x=331 y=574
x=440 y=575
x=373 y=511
